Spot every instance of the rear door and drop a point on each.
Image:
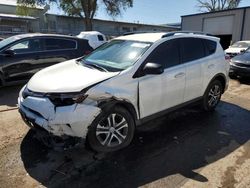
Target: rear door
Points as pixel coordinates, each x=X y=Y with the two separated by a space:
x=193 y=53
x=57 y=50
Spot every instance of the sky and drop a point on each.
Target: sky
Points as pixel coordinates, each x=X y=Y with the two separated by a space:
x=153 y=11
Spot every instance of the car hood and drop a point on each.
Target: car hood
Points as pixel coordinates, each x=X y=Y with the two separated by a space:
x=234 y=50
x=242 y=58
x=65 y=77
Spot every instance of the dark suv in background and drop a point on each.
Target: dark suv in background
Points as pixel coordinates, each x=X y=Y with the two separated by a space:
x=23 y=55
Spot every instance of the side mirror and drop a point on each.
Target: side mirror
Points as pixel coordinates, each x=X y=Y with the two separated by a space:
x=9 y=53
x=152 y=68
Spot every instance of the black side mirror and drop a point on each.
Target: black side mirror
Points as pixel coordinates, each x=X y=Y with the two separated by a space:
x=153 y=68
x=9 y=53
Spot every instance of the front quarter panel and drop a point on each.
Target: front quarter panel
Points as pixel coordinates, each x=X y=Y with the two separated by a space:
x=121 y=88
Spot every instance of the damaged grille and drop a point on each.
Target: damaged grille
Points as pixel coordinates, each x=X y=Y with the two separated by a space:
x=56 y=99
x=26 y=93
x=61 y=101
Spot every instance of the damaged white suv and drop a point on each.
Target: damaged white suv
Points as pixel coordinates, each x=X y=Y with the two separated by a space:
x=103 y=96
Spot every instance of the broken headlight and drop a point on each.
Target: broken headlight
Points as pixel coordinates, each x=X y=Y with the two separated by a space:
x=66 y=98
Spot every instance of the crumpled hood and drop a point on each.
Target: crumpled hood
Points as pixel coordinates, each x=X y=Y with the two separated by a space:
x=66 y=77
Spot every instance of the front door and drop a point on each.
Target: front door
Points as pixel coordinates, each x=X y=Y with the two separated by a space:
x=22 y=64
x=160 y=92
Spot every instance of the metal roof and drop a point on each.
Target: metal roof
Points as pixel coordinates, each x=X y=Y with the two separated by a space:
x=14 y=16
x=204 y=13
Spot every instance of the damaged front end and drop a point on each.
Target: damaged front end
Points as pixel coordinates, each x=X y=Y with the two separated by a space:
x=62 y=116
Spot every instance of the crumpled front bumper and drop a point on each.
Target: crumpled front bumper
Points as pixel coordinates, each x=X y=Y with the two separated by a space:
x=72 y=120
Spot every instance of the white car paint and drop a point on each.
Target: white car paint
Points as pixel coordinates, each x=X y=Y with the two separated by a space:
x=92 y=37
x=68 y=76
x=79 y=116
x=148 y=94
x=237 y=50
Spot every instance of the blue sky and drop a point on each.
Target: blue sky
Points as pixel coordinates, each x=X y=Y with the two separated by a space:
x=154 y=11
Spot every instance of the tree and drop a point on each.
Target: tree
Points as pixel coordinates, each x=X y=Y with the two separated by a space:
x=215 y=5
x=85 y=9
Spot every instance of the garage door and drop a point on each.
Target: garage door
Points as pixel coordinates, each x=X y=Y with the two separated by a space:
x=219 y=25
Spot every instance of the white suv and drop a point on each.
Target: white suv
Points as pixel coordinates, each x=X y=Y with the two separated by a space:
x=129 y=80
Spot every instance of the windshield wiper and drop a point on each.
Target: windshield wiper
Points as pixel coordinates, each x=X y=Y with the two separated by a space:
x=96 y=66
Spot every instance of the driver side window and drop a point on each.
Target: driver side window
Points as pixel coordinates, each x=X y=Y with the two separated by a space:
x=167 y=54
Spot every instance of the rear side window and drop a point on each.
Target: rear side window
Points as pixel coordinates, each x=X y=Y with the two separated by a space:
x=166 y=54
x=100 y=38
x=210 y=46
x=192 y=49
x=59 y=44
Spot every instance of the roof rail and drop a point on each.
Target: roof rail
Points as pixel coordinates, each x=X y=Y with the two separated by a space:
x=138 y=32
x=185 y=32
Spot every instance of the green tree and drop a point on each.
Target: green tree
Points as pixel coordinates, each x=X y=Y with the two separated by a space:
x=216 y=5
x=85 y=9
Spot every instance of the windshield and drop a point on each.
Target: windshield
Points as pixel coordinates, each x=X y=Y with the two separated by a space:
x=7 y=41
x=117 y=55
x=240 y=45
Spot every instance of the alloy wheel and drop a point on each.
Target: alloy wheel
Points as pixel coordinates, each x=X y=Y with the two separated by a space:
x=112 y=131
x=214 y=95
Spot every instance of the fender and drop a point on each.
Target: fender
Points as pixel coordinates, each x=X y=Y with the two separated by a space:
x=107 y=105
x=221 y=77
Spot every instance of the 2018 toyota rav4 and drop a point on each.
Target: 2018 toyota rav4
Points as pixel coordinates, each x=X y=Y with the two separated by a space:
x=127 y=81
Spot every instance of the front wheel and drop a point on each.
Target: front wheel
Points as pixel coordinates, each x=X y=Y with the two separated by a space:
x=212 y=95
x=111 y=131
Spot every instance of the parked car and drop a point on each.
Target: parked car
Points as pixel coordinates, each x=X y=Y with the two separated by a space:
x=237 y=48
x=124 y=83
x=95 y=38
x=23 y=55
x=240 y=64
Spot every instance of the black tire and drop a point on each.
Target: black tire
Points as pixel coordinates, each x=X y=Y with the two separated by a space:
x=211 y=101
x=232 y=75
x=112 y=130
x=1 y=80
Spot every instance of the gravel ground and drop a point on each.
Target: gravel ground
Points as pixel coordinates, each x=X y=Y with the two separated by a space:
x=187 y=148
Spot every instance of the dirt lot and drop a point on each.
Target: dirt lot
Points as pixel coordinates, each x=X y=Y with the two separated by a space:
x=187 y=148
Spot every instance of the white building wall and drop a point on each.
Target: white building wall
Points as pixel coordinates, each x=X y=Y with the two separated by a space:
x=197 y=23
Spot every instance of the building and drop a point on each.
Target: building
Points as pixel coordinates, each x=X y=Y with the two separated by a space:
x=74 y=25
x=11 y=23
x=229 y=25
x=41 y=21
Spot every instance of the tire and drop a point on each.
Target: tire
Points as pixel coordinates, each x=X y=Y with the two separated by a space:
x=1 y=80
x=212 y=95
x=111 y=131
x=232 y=75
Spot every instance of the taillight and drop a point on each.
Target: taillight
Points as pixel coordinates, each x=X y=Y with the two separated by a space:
x=227 y=58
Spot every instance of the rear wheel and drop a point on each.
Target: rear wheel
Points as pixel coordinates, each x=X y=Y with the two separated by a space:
x=111 y=131
x=212 y=95
x=1 y=80
x=232 y=75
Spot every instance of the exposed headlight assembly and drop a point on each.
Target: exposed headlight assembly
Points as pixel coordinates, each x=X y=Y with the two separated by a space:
x=64 y=99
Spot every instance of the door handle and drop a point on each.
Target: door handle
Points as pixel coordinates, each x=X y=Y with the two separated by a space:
x=210 y=66
x=181 y=74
